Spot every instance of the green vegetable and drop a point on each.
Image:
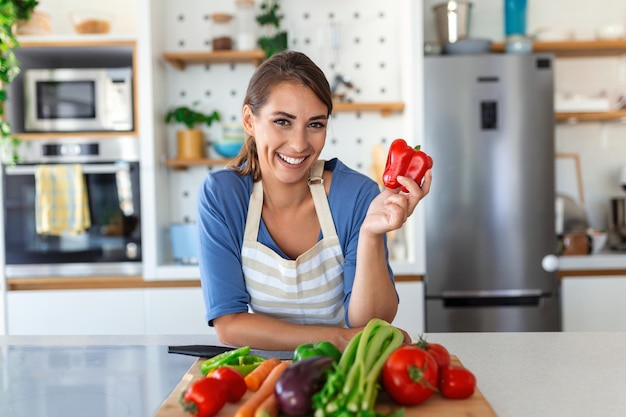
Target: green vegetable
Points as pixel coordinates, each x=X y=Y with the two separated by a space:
x=222 y=359
x=245 y=364
x=352 y=387
x=323 y=349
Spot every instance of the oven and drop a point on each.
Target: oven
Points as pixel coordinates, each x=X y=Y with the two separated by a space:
x=109 y=240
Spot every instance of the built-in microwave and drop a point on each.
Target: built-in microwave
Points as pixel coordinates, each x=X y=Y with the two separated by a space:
x=78 y=100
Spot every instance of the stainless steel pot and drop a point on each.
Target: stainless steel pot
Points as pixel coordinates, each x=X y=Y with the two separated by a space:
x=453 y=20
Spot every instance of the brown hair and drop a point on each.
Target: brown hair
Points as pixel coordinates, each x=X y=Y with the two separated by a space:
x=289 y=66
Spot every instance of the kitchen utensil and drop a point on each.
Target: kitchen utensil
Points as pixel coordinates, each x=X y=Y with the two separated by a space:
x=91 y=21
x=576 y=244
x=518 y=45
x=453 y=20
x=598 y=241
x=468 y=46
x=208 y=351
x=617 y=223
x=184 y=241
x=553 y=34
x=574 y=217
x=611 y=32
x=514 y=17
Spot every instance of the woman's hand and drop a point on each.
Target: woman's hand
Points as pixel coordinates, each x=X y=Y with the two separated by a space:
x=390 y=210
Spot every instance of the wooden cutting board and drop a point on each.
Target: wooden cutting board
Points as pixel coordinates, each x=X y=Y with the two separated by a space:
x=437 y=405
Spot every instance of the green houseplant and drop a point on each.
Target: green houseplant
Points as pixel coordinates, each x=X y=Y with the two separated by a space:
x=11 y=11
x=190 y=141
x=275 y=39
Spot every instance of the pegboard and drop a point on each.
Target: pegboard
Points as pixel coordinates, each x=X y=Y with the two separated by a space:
x=358 y=39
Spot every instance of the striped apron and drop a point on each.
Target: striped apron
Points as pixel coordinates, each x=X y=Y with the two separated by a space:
x=307 y=290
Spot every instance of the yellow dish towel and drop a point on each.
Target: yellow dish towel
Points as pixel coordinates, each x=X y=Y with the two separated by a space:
x=61 y=205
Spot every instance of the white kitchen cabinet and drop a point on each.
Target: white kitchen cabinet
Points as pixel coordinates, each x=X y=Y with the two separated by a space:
x=75 y=312
x=107 y=312
x=175 y=311
x=593 y=303
x=410 y=316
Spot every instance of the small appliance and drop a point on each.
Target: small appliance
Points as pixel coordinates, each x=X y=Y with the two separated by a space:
x=617 y=217
x=78 y=100
x=490 y=249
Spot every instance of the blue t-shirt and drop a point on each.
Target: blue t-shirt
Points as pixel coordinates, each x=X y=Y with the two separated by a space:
x=222 y=212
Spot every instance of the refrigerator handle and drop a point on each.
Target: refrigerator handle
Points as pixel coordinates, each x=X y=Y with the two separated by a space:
x=550 y=263
x=510 y=298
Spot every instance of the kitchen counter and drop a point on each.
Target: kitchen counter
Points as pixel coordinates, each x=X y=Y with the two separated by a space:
x=603 y=261
x=520 y=374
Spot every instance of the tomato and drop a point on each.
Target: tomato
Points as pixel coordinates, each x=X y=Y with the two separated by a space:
x=205 y=397
x=439 y=352
x=235 y=382
x=410 y=375
x=456 y=382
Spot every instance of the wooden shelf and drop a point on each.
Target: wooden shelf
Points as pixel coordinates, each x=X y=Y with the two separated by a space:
x=186 y=163
x=385 y=108
x=180 y=60
x=576 y=48
x=591 y=116
x=73 y=135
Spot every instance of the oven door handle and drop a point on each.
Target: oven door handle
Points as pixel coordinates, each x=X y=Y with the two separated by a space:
x=87 y=169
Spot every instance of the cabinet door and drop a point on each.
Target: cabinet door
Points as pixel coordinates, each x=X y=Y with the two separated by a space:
x=410 y=316
x=75 y=312
x=593 y=304
x=175 y=311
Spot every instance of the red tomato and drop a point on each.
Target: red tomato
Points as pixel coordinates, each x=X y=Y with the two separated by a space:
x=410 y=375
x=205 y=397
x=456 y=382
x=235 y=383
x=439 y=352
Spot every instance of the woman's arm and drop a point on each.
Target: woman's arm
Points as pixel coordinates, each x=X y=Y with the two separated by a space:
x=263 y=332
x=373 y=292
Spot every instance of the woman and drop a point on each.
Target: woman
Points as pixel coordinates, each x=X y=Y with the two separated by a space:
x=299 y=242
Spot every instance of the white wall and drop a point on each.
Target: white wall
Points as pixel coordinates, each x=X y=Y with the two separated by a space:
x=124 y=12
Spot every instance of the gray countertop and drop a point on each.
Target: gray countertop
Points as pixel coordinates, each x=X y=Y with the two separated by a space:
x=605 y=260
x=520 y=374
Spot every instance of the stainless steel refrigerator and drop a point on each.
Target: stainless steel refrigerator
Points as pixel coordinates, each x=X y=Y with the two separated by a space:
x=489 y=126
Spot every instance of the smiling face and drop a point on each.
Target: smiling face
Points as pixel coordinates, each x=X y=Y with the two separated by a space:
x=289 y=131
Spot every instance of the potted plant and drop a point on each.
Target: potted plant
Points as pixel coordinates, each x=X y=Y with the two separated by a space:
x=11 y=11
x=275 y=39
x=190 y=141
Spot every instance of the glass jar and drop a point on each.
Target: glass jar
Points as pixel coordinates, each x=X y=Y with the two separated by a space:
x=222 y=31
x=245 y=18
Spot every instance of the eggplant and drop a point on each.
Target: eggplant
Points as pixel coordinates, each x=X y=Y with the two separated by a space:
x=299 y=382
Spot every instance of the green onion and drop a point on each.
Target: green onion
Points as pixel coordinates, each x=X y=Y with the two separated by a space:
x=351 y=388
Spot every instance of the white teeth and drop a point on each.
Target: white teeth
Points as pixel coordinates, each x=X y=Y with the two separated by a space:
x=291 y=161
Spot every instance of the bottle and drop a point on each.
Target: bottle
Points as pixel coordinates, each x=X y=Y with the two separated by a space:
x=514 y=18
x=245 y=19
x=222 y=31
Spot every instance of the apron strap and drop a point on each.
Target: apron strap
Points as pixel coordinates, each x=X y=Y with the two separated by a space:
x=255 y=206
x=316 y=185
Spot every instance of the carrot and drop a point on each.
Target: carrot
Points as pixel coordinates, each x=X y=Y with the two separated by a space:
x=268 y=408
x=255 y=378
x=248 y=408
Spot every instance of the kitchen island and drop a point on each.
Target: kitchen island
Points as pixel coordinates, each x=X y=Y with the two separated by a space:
x=520 y=374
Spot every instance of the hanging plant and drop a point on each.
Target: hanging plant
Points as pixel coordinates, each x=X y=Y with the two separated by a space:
x=275 y=39
x=11 y=11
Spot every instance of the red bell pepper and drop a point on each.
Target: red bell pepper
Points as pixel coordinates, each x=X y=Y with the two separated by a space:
x=407 y=162
x=204 y=397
